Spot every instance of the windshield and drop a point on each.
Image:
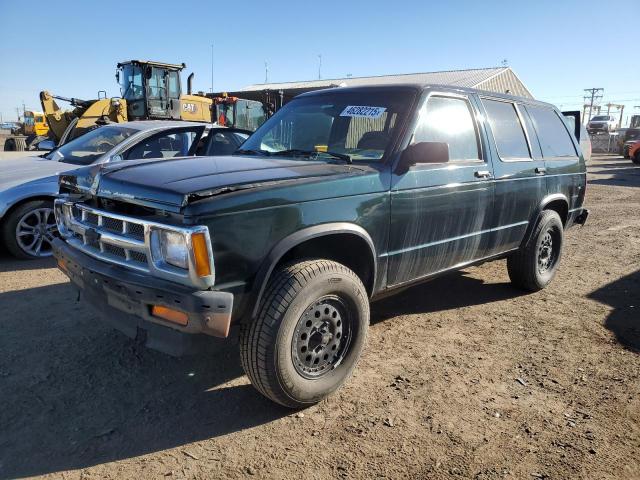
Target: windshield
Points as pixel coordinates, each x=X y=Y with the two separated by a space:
x=601 y=118
x=131 y=87
x=360 y=125
x=87 y=148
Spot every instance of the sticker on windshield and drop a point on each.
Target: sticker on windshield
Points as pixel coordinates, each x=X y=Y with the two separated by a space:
x=362 y=111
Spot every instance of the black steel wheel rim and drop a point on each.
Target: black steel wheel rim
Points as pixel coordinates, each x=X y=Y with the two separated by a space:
x=548 y=250
x=322 y=337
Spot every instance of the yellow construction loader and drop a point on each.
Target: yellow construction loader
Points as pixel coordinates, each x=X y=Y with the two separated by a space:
x=149 y=90
x=34 y=129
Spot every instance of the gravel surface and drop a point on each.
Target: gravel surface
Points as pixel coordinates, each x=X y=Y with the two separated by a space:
x=463 y=377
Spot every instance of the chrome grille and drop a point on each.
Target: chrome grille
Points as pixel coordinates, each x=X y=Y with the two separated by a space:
x=128 y=241
x=108 y=237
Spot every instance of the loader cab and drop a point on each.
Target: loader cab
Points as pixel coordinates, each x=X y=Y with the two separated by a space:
x=35 y=123
x=239 y=112
x=151 y=89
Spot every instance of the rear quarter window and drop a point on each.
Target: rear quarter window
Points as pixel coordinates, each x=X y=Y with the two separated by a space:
x=554 y=138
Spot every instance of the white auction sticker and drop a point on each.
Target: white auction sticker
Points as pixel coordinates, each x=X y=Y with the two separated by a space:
x=362 y=111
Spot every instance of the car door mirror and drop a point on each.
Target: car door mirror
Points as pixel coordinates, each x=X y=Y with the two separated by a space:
x=424 y=152
x=46 y=145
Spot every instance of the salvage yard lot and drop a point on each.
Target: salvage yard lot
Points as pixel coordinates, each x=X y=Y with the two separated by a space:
x=463 y=377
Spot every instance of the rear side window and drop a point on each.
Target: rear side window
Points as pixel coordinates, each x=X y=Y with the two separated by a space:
x=552 y=133
x=449 y=120
x=507 y=129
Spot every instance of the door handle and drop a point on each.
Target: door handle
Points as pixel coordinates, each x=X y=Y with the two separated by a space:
x=541 y=170
x=483 y=174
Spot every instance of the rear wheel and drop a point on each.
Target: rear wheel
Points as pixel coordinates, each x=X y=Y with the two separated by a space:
x=30 y=229
x=15 y=144
x=536 y=263
x=309 y=333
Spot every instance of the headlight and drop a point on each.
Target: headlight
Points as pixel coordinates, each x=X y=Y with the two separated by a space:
x=173 y=248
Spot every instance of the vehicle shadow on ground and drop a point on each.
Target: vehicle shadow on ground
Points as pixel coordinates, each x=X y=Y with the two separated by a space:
x=77 y=393
x=624 y=296
x=617 y=171
x=11 y=264
x=448 y=292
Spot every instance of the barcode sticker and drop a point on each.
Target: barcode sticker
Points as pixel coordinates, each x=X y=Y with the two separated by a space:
x=362 y=111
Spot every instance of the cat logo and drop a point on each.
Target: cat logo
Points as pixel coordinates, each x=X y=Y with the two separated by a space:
x=189 y=107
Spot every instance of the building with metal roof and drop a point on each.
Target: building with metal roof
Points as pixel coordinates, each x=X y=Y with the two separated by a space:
x=495 y=79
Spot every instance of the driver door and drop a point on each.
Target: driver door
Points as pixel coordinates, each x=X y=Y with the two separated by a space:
x=441 y=213
x=157 y=93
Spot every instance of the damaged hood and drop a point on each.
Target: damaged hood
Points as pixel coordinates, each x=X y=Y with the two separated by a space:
x=173 y=184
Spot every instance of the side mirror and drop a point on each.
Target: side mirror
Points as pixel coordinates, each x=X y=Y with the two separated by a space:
x=46 y=145
x=424 y=152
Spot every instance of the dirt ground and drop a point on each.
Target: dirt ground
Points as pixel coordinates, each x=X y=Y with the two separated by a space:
x=463 y=377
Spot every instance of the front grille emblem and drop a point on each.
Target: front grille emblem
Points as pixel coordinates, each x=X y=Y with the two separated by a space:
x=92 y=235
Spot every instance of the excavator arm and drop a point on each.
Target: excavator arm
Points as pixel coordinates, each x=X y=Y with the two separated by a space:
x=86 y=114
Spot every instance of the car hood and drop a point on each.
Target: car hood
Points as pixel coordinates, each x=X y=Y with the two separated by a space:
x=28 y=169
x=172 y=184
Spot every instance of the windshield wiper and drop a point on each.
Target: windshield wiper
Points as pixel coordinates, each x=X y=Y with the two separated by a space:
x=244 y=151
x=316 y=153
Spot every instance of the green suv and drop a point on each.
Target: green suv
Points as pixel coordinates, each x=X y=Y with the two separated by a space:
x=343 y=196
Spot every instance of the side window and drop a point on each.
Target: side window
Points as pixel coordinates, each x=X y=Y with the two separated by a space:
x=507 y=130
x=222 y=143
x=164 y=145
x=552 y=133
x=449 y=120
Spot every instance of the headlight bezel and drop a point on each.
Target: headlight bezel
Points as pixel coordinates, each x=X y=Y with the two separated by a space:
x=190 y=267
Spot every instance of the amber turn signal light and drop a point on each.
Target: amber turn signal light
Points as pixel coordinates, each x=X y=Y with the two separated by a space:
x=170 y=315
x=201 y=254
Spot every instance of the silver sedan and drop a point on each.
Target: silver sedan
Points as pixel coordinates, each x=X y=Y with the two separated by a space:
x=28 y=185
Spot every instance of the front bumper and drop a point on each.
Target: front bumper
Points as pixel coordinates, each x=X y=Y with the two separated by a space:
x=124 y=299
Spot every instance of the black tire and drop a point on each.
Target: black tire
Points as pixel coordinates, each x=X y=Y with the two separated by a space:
x=267 y=346
x=9 y=145
x=9 y=230
x=636 y=157
x=535 y=264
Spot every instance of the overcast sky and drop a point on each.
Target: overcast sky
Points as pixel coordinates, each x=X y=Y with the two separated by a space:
x=558 y=48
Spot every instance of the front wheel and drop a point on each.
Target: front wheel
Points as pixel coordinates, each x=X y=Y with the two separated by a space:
x=29 y=230
x=535 y=264
x=309 y=333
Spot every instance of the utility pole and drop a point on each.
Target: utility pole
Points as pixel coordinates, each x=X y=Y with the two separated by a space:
x=212 y=68
x=18 y=113
x=593 y=95
x=320 y=67
x=266 y=72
